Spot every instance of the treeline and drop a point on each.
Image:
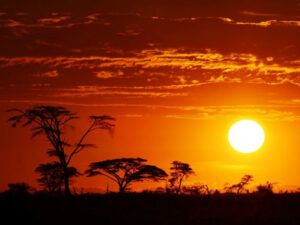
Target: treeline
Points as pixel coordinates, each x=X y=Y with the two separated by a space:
x=54 y=122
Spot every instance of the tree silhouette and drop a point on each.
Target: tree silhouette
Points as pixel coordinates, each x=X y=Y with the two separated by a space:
x=197 y=189
x=20 y=188
x=53 y=121
x=265 y=189
x=52 y=174
x=179 y=172
x=125 y=171
x=240 y=187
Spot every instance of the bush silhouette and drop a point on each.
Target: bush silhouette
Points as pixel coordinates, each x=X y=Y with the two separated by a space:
x=19 y=189
x=52 y=175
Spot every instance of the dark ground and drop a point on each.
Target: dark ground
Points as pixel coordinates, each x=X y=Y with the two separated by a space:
x=151 y=209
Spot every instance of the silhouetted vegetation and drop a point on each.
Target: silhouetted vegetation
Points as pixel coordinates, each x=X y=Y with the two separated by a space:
x=52 y=175
x=265 y=189
x=151 y=209
x=125 y=171
x=53 y=122
x=200 y=189
x=241 y=186
x=174 y=204
x=179 y=172
x=19 y=189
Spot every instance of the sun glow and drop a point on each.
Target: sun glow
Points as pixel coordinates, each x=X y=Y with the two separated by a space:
x=246 y=136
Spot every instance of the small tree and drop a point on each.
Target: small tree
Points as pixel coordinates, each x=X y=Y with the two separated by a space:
x=52 y=122
x=179 y=172
x=125 y=171
x=240 y=187
x=52 y=174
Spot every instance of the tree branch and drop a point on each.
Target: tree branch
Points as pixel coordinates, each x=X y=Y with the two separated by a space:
x=79 y=144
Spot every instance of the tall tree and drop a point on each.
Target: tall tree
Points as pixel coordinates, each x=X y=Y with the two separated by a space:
x=52 y=122
x=179 y=172
x=125 y=171
x=52 y=174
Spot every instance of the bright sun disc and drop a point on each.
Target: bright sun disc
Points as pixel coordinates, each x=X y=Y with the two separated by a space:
x=246 y=136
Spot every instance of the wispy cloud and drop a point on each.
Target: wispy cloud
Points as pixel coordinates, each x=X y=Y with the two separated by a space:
x=109 y=74
x=56 y=21
x=50 y=74
x=52 y=20
x=273 y=112
x=234 y=112
x=266 y=23
x=84 y=91
x=177 y=58
x=259 y=14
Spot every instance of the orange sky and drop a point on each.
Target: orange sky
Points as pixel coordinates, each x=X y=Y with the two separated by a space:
x=175 y=75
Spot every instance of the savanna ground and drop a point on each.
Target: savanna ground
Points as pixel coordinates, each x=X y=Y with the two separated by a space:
x=151 y=209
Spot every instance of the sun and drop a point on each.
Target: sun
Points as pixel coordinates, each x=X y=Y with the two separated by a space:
x=246 y=136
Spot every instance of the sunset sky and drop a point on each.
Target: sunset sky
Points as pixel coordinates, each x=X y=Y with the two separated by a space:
x=175 y=74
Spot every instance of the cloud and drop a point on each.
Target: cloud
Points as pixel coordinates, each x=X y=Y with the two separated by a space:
x=84 y=91
x=130 y=31
x=230 y=112
x=266 y=23
x=274 y=112
x=39 y=85
x=222 y=79
x=12 y=23
x=109 y=74
x=57 y=21
x=232 y=67
x=52 y=20
x=50 y=74
x=128 y=65
x=258 y=14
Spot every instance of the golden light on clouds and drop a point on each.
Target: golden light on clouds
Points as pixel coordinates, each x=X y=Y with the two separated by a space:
x=175 y=76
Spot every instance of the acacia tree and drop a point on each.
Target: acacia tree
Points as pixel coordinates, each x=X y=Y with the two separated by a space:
x=125 y=171
x=52 y=122
x=240 y=187
x=179 y=172
x=51 y=176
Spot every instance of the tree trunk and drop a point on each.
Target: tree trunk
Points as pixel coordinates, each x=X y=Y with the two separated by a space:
x=121 y=189
x=66 y=182
x=179 y=186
